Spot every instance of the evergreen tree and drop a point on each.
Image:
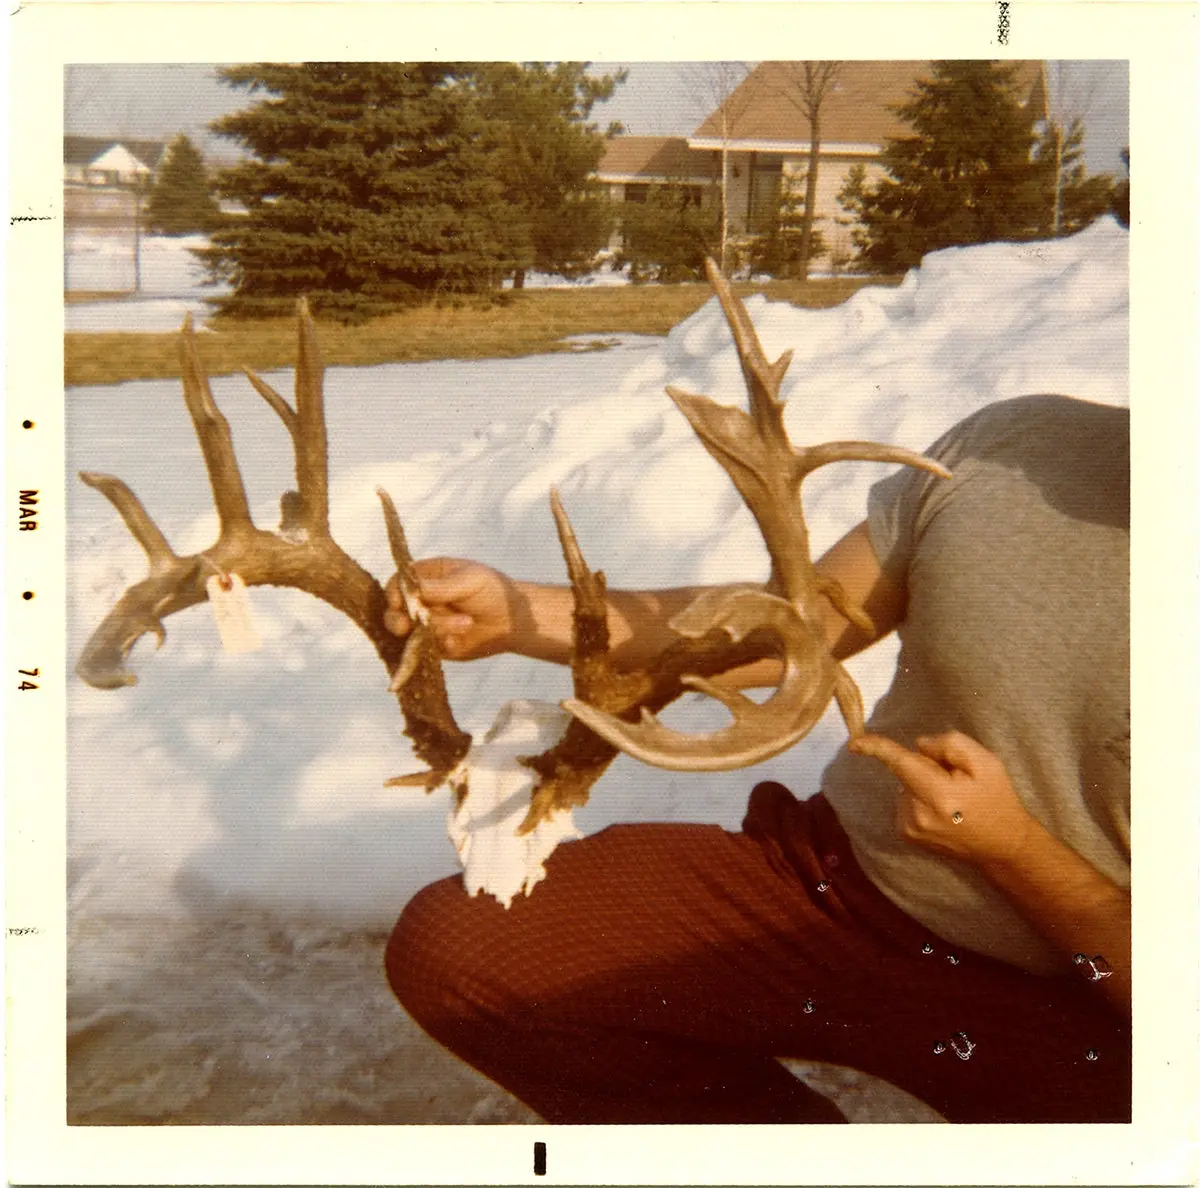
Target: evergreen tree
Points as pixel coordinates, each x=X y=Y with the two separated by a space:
x=784 y=251
x=967 y=174
x=667 y=237
x=369 y=188
x=1120 y=193
x=1075 y=198
x=546 y=156
x=181 y=200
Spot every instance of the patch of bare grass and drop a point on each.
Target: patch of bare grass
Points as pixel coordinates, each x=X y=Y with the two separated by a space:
x=533 y=322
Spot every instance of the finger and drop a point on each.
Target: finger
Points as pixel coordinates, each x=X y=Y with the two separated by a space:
x=453 y=647
x=918 y=773
x=953 y=749
x=453 y=587
x=395 y=599
x=435 y=567
x=450 y=623
x=397 y=622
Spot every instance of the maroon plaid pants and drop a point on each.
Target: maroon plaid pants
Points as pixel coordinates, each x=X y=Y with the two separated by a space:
x=660 y=970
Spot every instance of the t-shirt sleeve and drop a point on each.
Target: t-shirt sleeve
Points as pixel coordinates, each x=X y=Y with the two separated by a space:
x=900 y=505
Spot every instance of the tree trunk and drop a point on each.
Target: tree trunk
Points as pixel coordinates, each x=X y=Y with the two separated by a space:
x=1056 y=214
x=519 y=278
x=724 y=204
x=810 y=195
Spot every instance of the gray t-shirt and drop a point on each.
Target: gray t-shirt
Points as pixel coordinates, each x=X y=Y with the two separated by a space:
x=1016 y=633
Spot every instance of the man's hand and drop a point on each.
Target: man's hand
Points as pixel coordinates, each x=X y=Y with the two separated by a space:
x=477 y=611
x=1080 y=911
x=957 y=797
x=471 y=606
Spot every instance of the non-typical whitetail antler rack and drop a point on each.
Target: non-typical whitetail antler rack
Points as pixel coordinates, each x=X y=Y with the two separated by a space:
x=612 y=710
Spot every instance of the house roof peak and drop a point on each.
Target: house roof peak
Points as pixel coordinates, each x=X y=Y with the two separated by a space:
x=857 y=109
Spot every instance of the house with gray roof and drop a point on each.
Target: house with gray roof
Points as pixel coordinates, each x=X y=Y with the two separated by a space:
x=103 y=175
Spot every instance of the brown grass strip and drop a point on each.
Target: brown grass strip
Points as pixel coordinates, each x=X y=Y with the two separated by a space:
x=532 y=322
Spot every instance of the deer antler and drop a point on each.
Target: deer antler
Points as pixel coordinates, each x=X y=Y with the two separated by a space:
x=302 y=555
x=754 y=450
x=721 y=630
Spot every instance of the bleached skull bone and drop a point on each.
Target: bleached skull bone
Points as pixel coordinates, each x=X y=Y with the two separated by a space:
x=495 y=859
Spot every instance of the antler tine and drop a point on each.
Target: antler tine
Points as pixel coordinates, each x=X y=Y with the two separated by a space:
x=273 y=398
x=417 y=680
x=312 y=464
x=589 y=655
x=568 y=770
x=763 y=378
x=144 y=530
x=216 y=442
x=866 y=451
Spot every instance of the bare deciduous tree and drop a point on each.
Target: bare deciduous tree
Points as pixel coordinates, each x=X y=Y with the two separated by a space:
x=805 y=86
x=718 y=88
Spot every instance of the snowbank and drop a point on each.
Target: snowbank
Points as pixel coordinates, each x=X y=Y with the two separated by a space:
x=172 y=282
x=103 y=261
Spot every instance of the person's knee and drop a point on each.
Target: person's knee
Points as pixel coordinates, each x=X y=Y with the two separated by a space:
x=448 y=965
x=420 y=951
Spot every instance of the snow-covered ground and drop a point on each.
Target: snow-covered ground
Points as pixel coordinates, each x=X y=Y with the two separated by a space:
x=228 y=811
x=171 y=281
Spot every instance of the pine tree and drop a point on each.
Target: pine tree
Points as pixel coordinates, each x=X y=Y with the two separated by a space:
x=792 y=241
x=967 y=174
x=547 y=154
x=369 y=189
x=181 y=200
x=666 y=237
x=1076 y=199
x=1120 y=192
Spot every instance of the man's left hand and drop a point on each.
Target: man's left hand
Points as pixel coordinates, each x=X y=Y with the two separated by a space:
x=957 y=798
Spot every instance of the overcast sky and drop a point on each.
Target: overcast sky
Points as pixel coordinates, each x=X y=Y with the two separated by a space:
x=160 y=101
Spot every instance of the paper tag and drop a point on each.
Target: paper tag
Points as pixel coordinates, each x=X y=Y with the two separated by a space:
x=231 y=606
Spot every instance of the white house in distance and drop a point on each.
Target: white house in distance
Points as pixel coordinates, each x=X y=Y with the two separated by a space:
x=101 y=176
x=95 y=161
x=763 y=129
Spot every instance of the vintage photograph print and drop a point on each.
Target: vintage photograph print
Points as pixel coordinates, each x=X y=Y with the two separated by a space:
x=383 y=807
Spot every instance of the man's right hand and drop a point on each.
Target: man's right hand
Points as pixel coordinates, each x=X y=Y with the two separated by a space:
x=477 y=611
x=471 y=606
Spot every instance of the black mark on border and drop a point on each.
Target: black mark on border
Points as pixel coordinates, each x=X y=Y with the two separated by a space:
x=539 y=1159
x=1002 y=22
